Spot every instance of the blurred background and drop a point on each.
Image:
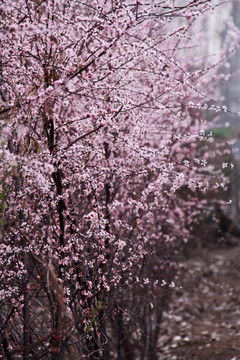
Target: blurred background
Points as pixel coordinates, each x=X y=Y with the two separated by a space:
x=203 y=320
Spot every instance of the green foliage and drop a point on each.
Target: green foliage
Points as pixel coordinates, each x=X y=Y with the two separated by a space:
x=220 y=133
x=94 y=312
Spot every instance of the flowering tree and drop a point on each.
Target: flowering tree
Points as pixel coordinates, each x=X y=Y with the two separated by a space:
x=98 y=142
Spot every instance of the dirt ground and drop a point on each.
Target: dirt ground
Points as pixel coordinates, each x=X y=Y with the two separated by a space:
x=203 y=321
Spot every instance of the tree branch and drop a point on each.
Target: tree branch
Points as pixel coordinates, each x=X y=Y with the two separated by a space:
x=83 y=136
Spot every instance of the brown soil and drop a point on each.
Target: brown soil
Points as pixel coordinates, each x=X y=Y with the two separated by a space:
x=203 y=321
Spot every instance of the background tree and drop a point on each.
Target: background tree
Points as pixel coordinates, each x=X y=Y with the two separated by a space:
x=101 y=115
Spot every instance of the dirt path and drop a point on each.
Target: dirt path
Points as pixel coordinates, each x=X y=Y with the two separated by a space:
x=203 y=322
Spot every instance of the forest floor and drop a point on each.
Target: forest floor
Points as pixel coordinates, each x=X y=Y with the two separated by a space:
x=203 y=320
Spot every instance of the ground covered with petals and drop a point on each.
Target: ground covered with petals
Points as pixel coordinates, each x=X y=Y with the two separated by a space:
x=203 y=320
